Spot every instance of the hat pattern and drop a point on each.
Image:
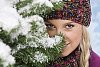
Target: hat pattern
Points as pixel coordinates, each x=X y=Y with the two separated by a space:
x=78 y=11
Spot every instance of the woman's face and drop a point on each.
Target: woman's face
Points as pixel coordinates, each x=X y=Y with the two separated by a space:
x=72 y=33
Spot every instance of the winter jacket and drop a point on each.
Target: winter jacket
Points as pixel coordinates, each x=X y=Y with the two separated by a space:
x=94 y=60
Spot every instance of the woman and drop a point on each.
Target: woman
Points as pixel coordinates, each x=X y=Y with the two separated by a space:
x=72 y=21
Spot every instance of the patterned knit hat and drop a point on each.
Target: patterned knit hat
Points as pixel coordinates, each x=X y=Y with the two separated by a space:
x=78 y=11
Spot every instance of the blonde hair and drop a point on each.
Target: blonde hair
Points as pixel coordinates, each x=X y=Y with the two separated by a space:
x=85 y=48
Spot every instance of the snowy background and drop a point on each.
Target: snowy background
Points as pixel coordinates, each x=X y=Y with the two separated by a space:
x=94 y=28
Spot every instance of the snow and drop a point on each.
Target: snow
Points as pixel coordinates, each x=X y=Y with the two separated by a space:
x=41 y=2
x=40 y=57
x=5 y=54
x=9 y=18
x=54 y=1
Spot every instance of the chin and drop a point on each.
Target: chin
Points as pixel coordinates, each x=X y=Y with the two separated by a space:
x=66 y=50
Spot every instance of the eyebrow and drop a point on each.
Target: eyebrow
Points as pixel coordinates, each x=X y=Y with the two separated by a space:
x=69 y=22
x=47 y=22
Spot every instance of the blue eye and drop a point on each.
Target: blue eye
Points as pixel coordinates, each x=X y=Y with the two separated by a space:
x=69 y=26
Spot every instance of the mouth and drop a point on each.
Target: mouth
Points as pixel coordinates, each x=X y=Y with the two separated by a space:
x=66 y=44
x=64 y=48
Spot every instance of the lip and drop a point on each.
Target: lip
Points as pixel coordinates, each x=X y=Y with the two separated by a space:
x=66 y=44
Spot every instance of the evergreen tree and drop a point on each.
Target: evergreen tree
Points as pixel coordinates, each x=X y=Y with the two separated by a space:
x=27 y=36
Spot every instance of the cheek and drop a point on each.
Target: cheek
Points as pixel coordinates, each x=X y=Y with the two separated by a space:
x=51 y=33
x=74 y=37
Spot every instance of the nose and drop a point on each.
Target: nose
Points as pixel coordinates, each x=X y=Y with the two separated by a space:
x=59 y=32
x=62 y=32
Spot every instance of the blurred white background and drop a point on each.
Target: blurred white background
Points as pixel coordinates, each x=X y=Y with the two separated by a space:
x=94 y=28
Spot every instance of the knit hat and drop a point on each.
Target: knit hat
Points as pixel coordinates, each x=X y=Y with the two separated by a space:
x=78 y=11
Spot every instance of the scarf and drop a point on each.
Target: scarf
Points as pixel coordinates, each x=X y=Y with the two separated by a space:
x=72 y=60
